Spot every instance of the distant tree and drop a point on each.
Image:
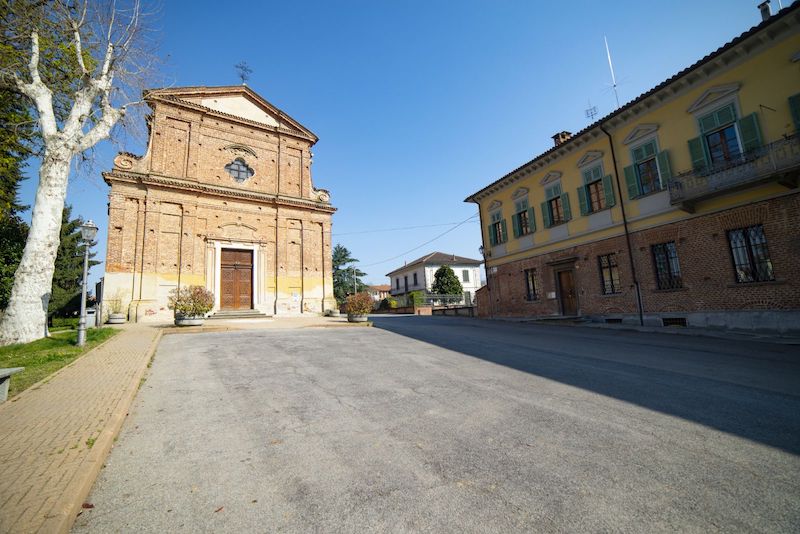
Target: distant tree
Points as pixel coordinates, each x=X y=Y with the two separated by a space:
x=343 y=274
x=15 y=134
x=445 y=282
x=68 y=274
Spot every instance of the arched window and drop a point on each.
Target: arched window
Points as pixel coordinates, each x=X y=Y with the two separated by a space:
x=239 y=170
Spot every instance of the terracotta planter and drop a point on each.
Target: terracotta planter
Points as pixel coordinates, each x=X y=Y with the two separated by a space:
x=187 y=320
x=357 y=318
x=117 y=318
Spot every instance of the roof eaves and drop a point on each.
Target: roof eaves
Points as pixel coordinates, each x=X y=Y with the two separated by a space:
x=680 y=74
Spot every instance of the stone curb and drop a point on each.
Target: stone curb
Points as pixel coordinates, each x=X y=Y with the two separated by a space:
x=69 y=504
x=680 y=331
x=51 y=376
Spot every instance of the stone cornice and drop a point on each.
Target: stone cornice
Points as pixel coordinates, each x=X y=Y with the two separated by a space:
x=174 y=100
x=224 y=192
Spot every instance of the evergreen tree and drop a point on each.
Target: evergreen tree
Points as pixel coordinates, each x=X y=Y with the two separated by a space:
x=68 y=275
x=445 y=282
x=343 y=273
x=15 y=132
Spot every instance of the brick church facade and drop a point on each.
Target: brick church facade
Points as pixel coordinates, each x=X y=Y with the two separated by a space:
x=222 y=198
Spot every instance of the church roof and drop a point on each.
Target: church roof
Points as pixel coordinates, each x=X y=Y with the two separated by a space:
x=195 y=96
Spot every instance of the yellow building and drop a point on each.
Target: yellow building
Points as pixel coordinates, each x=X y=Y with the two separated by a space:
x=680 y=207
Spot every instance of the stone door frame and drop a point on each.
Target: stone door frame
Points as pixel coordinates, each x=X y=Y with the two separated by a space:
x=256 y=290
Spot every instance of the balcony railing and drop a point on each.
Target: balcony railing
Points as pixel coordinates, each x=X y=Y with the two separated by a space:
x=775 y=161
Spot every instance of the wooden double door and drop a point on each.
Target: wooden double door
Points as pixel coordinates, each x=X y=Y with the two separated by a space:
x=566 y=293
x=236 y=279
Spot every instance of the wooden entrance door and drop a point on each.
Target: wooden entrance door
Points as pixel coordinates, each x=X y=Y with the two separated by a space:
x=566 y=293
x=236 y=279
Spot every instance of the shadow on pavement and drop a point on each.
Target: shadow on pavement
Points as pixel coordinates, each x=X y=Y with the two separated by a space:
x=744 y=388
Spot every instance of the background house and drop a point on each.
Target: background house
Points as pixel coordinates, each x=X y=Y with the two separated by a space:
x=378 y=292
x=418 y=275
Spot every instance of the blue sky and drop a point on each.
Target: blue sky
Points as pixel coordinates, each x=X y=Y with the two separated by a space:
x=417 y=104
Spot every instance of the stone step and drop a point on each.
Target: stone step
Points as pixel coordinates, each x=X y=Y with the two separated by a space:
x=238 y=314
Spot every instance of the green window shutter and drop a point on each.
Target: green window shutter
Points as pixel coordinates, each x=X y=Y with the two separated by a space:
x=582 y=200
x=664 y=169
x=608 y=191
x=565 y=206
x=492 y=241
x=515 y=225
x=531 y=220
x=725 y=115
x=751 y=133
x=794 y=107
x=503 y=231
x=631 y=182
x=546 y=217
x=697 y=151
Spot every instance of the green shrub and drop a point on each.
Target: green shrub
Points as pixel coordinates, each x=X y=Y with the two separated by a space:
x=191 y=301
x=359 y=304
x=417 y=298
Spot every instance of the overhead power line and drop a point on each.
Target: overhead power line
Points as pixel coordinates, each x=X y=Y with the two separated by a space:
x=423 y=244
x=396 y=229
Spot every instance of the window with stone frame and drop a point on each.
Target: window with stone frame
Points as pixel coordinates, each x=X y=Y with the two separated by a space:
x=597 y=192
x=646 y=166
x=750 y=255
x=239 y=170
x=556 y=208
x=609 y=274
x=531 y=286
x=668 y=270
x=522 y=219
x=497 y=229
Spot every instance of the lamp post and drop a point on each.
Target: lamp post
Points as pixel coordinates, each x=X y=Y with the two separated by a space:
x=88 y=233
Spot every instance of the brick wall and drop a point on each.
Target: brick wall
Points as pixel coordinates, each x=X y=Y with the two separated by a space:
x=706 y=267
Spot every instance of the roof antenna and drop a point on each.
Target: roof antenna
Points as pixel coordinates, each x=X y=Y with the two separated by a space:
x=611 y=66
x=591 y=111
x=243 y=71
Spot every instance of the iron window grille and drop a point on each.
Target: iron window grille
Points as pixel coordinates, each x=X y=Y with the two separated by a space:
x=239 y=170
x=668 y=270
x=531 y=288
x=609 y=274
x=750 y=255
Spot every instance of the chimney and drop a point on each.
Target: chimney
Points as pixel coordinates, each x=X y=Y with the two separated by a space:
x=560 y=137
x=766 y=12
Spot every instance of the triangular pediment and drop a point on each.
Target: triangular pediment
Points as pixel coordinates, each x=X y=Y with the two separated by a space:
x=640 y=132
x=495 y=204
x=589 y=157
x=519 y=193
x=551 y=176
x=238 y=101
x=712 y=95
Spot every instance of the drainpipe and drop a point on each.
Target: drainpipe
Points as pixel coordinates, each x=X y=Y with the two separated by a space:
x=639 y=305
x=486 y=265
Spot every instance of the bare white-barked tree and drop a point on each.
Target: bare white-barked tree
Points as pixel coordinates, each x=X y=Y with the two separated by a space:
x=98 y=50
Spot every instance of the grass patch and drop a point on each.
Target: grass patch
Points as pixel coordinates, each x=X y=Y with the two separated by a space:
x=44 y=357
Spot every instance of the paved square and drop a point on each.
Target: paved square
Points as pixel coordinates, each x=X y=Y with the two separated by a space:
x=457 y=425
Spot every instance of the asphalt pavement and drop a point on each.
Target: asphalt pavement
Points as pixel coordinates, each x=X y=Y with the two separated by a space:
x=436 y=424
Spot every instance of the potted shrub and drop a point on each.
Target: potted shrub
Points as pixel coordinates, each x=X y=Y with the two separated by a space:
x=358 y=307
x=116 y=313
x=190 y=304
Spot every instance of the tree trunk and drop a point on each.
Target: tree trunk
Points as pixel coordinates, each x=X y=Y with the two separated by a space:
x=25 y=318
